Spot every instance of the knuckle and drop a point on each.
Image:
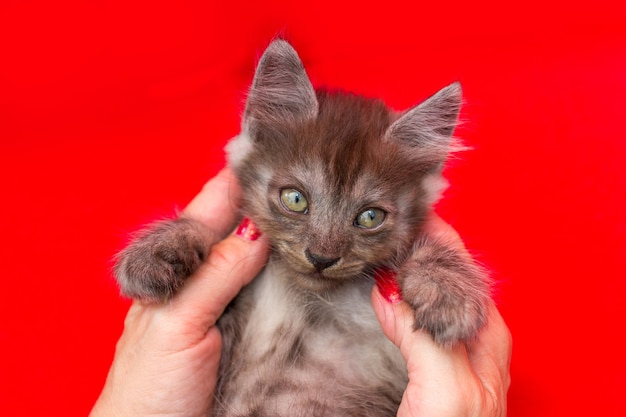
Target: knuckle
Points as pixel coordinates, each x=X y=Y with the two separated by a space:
x=223 y=257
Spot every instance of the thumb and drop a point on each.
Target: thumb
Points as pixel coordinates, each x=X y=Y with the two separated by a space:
x=394 y=315
x=422 y=355
x=230 y=265
x=437 y=375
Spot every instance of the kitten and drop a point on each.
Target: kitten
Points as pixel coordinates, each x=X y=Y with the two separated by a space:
x=341 y=185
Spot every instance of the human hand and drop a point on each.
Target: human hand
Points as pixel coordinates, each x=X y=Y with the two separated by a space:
x=468 y=380
x=167 y=359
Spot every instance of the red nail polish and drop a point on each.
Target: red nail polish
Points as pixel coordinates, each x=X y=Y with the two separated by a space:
x=248 y=230
x=388 y=285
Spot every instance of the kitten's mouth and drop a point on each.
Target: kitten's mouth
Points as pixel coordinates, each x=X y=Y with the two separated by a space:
x=329 y=278
x=319 y=276
x=313 y=279
x=317 y=281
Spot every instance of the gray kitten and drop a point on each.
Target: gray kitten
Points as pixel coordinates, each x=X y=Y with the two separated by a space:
x=341 y=186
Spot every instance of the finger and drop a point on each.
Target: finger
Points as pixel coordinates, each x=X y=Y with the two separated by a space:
x=231 y=264
x=438 y=229
x=434 y=371
x=217 y=205
x=490 y=354
x=422 y=355
x=396 y=320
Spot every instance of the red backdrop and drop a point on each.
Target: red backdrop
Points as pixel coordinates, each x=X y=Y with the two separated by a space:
x=112 y=114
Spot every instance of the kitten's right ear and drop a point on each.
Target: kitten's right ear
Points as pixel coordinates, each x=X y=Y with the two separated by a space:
x=281 y=89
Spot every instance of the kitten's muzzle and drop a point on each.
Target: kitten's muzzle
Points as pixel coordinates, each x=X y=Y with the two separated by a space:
x=320 y=262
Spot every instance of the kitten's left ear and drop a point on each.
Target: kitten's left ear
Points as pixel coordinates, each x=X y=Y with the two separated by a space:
x=428 y=127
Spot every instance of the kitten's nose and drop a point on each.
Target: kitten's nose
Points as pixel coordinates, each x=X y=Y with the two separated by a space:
x=319 y=262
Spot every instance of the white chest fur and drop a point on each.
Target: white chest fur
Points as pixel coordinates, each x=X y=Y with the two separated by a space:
x=327 y=346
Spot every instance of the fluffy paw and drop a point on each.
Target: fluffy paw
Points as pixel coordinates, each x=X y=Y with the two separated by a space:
x=159 y=260
x=448 y=292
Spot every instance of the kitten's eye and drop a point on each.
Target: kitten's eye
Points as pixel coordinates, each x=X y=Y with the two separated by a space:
x=370 y=218
x=293 y=200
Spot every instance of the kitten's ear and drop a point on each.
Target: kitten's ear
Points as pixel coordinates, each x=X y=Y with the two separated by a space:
x=281 y=88
x=428 y=127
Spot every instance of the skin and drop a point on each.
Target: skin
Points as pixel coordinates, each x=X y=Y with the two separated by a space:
x=167 y=358
x=469 y=380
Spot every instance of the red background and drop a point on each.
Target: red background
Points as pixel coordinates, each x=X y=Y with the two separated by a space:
x=112 y=114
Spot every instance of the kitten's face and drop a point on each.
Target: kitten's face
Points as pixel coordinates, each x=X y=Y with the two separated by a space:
x=335 y=197
x=328 y=232
x=336 y=181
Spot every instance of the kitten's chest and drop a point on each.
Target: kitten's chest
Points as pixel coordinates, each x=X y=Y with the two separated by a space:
x=308 y=358
x=289 y=331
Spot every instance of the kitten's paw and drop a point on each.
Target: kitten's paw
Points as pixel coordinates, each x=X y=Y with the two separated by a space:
x=159 y=260
x=449 y=318
x=448 y=292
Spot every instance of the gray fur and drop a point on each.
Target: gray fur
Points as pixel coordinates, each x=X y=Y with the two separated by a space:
x=300 y=353
x=302 y=339
x=280 y=90
x=161 y=257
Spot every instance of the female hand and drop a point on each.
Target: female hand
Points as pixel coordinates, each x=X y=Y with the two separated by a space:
x=464 y=381
x=167 y=358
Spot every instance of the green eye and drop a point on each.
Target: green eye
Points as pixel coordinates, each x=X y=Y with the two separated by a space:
x=370 y=218
x=293 y=200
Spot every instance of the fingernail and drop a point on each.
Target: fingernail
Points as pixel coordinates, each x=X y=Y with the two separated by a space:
x=388 y=285
x=248 y=230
